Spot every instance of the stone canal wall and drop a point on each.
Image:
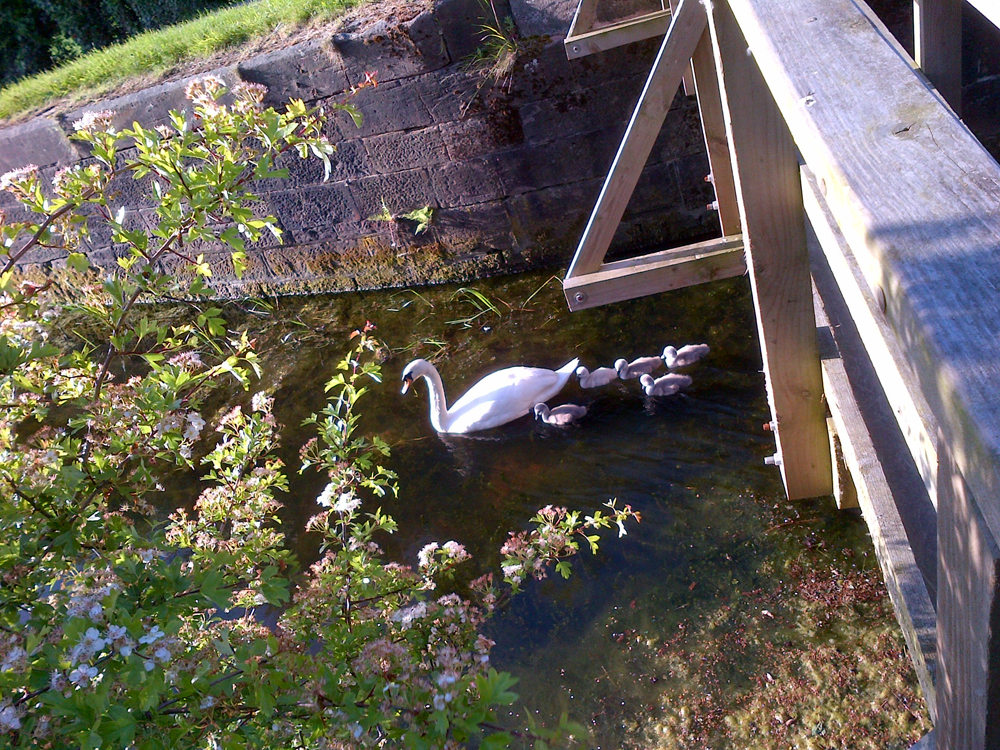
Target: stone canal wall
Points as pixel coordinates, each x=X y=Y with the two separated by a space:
x=512 y=171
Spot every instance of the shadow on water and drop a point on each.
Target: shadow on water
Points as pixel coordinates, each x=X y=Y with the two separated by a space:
x=717 y=544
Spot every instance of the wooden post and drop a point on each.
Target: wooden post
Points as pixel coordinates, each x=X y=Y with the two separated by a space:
x=688 y=79
x=770 y=200
x=968 y=627
x=937 y=45
x=665 y=76
x=713 y=126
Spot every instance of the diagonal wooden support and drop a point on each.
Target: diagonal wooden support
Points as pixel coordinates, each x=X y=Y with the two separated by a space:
x=713 y=126
x=770 y=200
x=580 y=43
x=657 y=272
x=673 y=59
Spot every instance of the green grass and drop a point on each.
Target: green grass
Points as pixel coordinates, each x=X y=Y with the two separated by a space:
x=156 y=51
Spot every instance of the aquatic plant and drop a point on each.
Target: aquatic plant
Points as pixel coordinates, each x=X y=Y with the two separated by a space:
x=119 y=630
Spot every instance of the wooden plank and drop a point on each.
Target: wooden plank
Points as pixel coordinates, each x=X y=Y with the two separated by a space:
x=647 y=119
x=584 y=18
x=899 y=382
x=844 y=492
x=766 y=170
x=657 y=272
x=968 y=619
x=937 y=42
x=903 y=579
x=925 y=743
x=918 y=199
x=713 y=127
x=616 y=35
x=989 y=8
x=688 y=80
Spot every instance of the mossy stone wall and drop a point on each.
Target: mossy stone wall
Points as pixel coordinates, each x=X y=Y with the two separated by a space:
x=512 y=171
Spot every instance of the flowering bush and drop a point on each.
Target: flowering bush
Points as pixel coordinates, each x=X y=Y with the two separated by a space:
x=200 y=632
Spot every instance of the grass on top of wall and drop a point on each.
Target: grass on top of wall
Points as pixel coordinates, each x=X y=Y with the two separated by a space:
x=154 y=52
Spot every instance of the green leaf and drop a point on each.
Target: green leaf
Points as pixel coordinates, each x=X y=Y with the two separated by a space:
x=77 y=262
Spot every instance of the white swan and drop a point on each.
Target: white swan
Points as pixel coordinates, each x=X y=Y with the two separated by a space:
x=631 y=370
x=686 y=355
x=500 y=397
x=559 y=415
x=597 y=378
x=668 y=385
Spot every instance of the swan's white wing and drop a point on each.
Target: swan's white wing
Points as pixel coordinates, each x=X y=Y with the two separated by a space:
x=503 y=396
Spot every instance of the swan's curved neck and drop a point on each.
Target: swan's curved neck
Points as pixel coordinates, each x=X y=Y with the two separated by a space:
x=440 y=419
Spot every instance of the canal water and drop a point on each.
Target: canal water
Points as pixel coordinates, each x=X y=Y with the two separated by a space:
x=729 y=618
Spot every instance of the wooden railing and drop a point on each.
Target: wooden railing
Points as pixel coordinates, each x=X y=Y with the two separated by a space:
x=822 y=133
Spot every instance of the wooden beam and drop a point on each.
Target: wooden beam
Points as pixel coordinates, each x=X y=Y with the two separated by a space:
x=903 y=579
x=900 y=384
x=845 y=493
x=916 y=196
x=968 y=619
x=688 y=80
x=713 y=126
x=647 y=119
x=766 y=169
x=616 y=35
x=937 y=43
x=657 y=272
x=584 y=18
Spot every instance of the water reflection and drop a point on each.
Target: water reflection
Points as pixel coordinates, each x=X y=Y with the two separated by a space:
x=717 y=545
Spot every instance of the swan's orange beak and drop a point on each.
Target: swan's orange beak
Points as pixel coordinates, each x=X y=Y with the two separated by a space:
x=407 y=381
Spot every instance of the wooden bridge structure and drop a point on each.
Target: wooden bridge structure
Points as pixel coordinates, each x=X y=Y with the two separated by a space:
x=867 y=217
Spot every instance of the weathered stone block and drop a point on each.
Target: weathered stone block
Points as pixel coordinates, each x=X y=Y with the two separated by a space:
x=461 y=21
x=452 y=94
x=401 y=192
x=537 y=17
x=466 y=183
x=559 y=162
x=657 y=189
x=386 y=108
x=469 y=228
x=484 y=134
x=307 y=71
x=311 y=213
x=392 y=50
x=40 y=141
x=553 y=217
x=581 y=110
x=393 y=152
x=681 y=134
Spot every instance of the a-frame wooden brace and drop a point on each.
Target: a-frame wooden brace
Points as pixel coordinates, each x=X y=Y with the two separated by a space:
x=590 y=281
x=755 y=174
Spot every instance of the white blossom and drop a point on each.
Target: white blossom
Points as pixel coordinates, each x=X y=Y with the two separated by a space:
x=82 y=675
x=9 y=720
x=195 y=423
x=326 y=496
x=153 y=635
x=348 y=502
x=426 y=555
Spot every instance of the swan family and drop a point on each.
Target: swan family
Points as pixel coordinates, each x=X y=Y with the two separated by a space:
x=513 y=392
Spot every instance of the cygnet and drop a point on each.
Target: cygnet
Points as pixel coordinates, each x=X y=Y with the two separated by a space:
x=668 y=385
x=560 y=415
x=599 y=377
x=686 y=355
x=631 y=370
